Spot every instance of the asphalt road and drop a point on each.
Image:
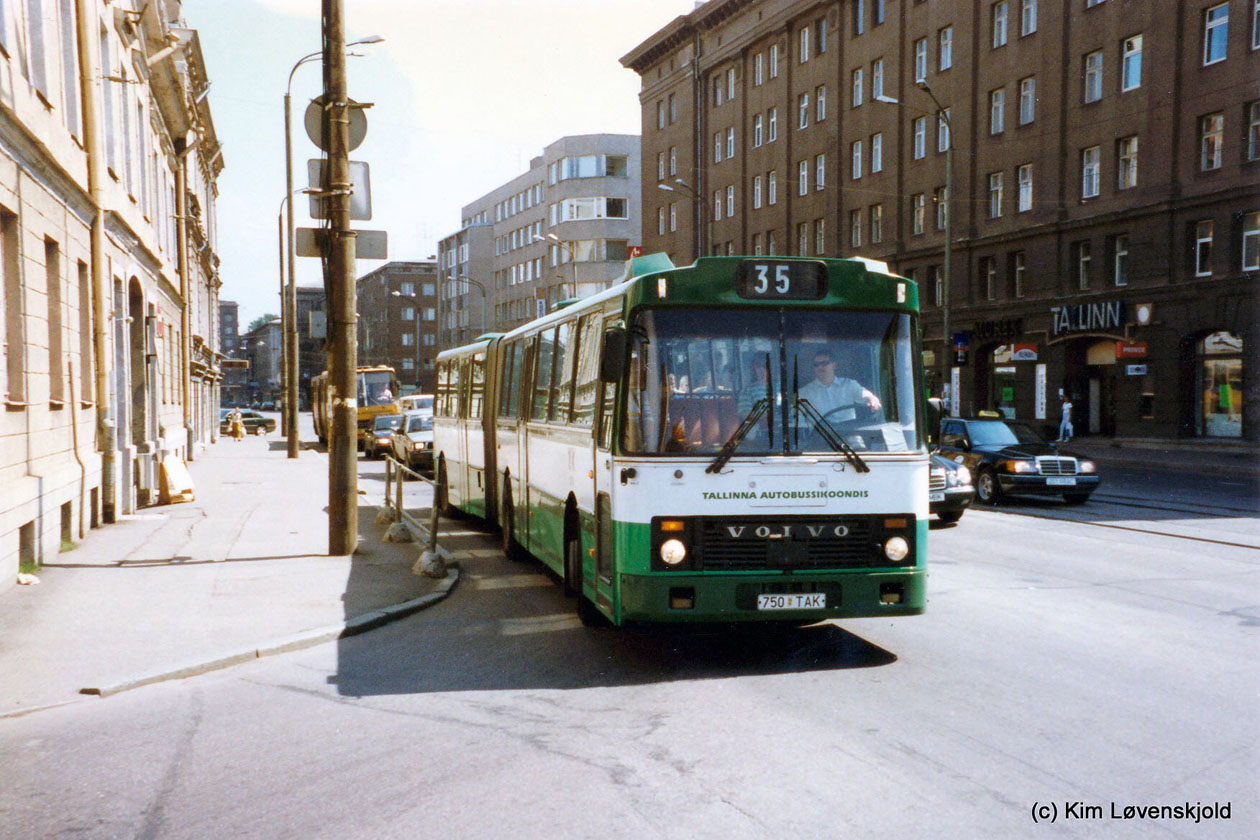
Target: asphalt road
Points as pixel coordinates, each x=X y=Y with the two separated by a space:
x=1069 y=658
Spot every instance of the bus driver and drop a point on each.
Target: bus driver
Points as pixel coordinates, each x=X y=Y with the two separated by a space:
x=828 y=392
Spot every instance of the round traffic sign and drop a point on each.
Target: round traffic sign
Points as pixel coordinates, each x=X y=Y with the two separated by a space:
x=314 y=118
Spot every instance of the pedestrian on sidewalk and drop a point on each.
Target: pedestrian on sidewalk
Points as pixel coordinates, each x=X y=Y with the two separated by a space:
x=1065 y=424
x=236 y=425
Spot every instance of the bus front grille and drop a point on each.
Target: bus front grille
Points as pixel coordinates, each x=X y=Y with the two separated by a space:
x=734 y=545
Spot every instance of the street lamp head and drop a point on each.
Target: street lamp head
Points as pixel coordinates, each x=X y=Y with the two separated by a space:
x=887 y=100
x=371 y=39
x=665 y=187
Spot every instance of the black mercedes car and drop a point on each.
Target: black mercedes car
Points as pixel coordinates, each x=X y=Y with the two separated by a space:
x=1009 y=457
x=950 y=491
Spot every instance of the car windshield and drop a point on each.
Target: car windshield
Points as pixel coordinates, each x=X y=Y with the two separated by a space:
x=386 y=422
x=991 y=433
x=799 y=379
x=420 y=424
x=1025 y=433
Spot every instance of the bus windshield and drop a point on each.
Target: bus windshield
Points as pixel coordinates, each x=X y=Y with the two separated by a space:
x=376 y=388
x=798 y=381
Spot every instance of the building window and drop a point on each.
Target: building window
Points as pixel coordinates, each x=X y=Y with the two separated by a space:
x=730 y=143
x=1255 y=24
x=770 y=244
x=774 y=61
x=920 y=134
x=821 y=28
x=757 y=135
x=719 y=91
x=1127 y=162
x=1211 y=140
x=999 y=24
x=772 y=189
x=1253 y=129
x=820 y=103
x=673 y=217
x=942 y=131
x=408 y=313
x=1093 y=76
x=877 y=78
x=988 y=270
x=1120 y=267
x=1082 y=265
x=1251 y=242
x=1089 y=172
x=802 y=239
x=660 y=166
x=1215 y=33
x=730 y=84
x=920 y=60
x=756 y=201
x=877 y=223
x=938 y=199
x=660 y=220
x=756 y=244
x=918 y=209
x=945 y=51
x=1027 y=100
x=717 y=206
x=820 y=171
x=673 y=109
x=802 y=111
x=804 y=44
x=802 y=177
x=938 y=284
x=859 y=17
x=1202 y=248
x=877 y=152
x=758 y=69
x=1131 y=63
x=660 y=114
x=856 y=157
x=820 y=236
x=855 y=228
x=408 y=339
x=1017 y=271
x=717 y=147
x=730 y=201
x=773 y=129
x=1027 y=17
x=1024 y=177
x=997 y=111
x=855 y=87
x=877 y=11
x=995 y=195
x=673 y=160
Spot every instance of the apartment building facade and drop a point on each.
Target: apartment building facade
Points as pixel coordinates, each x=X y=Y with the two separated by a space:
x=563 y=229
x=398 y=321
x=1105 y=214
x=108 y=166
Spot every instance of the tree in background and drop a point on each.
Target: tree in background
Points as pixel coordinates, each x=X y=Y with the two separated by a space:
x=260 y=320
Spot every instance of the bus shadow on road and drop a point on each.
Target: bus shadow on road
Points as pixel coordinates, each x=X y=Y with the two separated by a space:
x=508 y=626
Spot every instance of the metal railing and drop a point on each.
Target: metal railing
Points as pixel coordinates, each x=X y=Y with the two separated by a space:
x=396 y=472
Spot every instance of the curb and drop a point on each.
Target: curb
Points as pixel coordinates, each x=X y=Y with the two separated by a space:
x=351 y=627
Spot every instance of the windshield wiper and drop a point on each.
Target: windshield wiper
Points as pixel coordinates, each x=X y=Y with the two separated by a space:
x=833 y=438
x=745 y=426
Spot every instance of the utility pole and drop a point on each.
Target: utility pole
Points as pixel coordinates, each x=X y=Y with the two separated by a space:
x=343 y=496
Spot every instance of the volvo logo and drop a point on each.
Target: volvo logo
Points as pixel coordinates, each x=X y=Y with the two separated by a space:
x=786 y=532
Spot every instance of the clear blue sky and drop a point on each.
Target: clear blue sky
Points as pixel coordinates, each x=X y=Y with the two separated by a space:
x=464 y=93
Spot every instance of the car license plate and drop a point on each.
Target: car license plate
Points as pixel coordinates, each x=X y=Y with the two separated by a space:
x=1061 y=482
x=812 y=601
x=937 y=496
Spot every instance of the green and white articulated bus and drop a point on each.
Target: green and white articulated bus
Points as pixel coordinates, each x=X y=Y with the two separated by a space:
x=741 y=439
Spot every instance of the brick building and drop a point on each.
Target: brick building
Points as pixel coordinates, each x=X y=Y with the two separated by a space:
x=1106 y=156
x=397 y=306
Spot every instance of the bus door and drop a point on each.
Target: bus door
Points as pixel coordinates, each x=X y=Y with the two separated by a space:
x=474 y=436
x=538 y=445
x=605 y=399
x=457 y=473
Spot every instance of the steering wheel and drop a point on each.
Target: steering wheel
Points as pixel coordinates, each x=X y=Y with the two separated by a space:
x=861 y=411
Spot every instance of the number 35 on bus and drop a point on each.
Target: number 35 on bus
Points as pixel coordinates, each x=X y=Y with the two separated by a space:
x=737 y=440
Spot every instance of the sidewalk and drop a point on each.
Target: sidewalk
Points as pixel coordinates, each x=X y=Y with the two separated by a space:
x=243 y=569
x=1205 y=455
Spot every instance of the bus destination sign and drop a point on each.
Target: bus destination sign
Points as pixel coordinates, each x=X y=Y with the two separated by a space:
x=780 y=280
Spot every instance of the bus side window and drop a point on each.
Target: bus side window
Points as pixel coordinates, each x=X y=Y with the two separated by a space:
x=587 y=380
x=542 y=375
x=443 y=389
x=609 y=396
x=477 y=387
x=562 y=392
x=459 y=381
x=524 y=395
x=508 y=381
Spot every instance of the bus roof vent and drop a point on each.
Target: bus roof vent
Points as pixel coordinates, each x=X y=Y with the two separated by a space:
x=562 y=304
x=878 y=266
x=646 y=264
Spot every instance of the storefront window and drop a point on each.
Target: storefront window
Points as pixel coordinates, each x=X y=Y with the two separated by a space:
x=1220 y=372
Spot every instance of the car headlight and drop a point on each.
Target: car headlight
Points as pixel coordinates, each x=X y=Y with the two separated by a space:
x=1086 y=467
x=418 y=445
x=896 y=549
x=1019 y=466
x=959 y=477
x=673 y=552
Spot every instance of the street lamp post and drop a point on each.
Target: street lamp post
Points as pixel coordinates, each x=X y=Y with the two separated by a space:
x=552 y=239
x=288 y=299
x=680 y=185
x=942 y=114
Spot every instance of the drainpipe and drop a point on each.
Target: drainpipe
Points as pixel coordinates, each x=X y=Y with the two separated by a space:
x=106 y=432
x=182 y=148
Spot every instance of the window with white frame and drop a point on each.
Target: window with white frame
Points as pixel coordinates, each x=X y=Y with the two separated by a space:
x=774 y=61
x=918 y=212
x=758 y=69
x=802 y=238
x=719 y=91
x=730 y=201
x=1251 y=242
x=1255 y=24
x=938 y=284
x=1027 y=17
x=877 y=152
x=408 y=339
x=429 y=314
x=409 y=364
x=1127 y=162
x=660 y=114
x=1253 y=129
x=717 y=206
x=660 y=166
x=945 y=48
x=1120 y=260
x=772 y=129
x=756 y=198
x=820 y=171
x=772 y=187
x=855 y=156
x=1093 y=76
x=802 y=177
x=942 y=131
x=408 y=314
x=1090 y=165
x=997 y=111
x=717 y=147
x=1024 y=177
x=1017 y=269
x=673 y=160
x=859 y=17
x=988 y=270
x=942 y=207
x=673 y=118
x=1215 y=33
x=920 y=60
x=803 y=36
x=821 y=28
x=999 y=24
x=1211 y=141
x=1203 y=248
x=856 y=87
x=757 y=131
x=660 y=221
x=730 y=143
x=1131 y=63
x=820 y=103
x=920 y=137
x=1027 y=100
x=802 y=111
x=770 y=243
x=730 y=83
x=820 y=236
x=877 y=78
x=673 y=216
x=756 y=244
x=1082 y=265
x=995 y=195
x=877 y=223
x=855 y=228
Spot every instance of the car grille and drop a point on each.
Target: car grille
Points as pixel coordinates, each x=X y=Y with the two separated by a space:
x=718 y=550
x=937 y=481
x=1057 y=466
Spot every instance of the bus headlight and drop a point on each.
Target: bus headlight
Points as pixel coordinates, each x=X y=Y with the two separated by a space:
x=895 y=549
x=673 y=552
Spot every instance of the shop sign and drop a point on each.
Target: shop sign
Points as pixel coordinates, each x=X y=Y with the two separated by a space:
x=1005 y=328
x=1086 y=317
x=1135 y=370
x=1131 y=349
x=1024 y=352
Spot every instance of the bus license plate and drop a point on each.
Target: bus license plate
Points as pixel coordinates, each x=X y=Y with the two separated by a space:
x=1060 y=482
x=936 y=496
x=812 y=601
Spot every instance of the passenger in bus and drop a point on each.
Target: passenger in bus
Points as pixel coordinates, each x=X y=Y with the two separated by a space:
x=828 y=392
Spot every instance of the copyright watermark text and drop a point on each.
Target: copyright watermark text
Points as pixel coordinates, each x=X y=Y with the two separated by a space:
x=1081 y=811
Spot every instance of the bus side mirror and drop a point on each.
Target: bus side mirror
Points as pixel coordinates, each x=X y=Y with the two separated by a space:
x=612 y=363
x=935 y=410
